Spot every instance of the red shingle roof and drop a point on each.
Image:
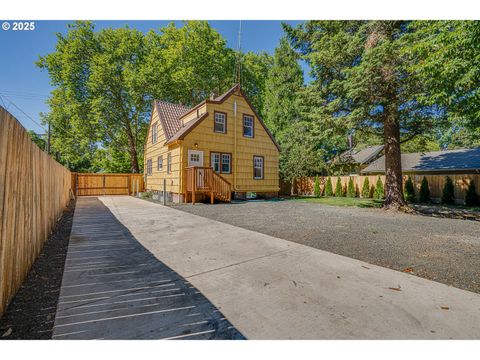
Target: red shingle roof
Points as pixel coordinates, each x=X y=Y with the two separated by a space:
x=170 y=116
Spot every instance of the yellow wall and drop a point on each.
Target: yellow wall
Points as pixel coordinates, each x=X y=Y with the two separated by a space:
x=192 y=115
x=242 y=160
x=152 y=151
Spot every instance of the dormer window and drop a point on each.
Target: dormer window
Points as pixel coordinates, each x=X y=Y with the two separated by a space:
x=220 y=122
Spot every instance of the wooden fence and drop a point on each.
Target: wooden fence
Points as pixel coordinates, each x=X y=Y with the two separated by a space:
x=34 y=191
x=106 y=184
x=304 y=186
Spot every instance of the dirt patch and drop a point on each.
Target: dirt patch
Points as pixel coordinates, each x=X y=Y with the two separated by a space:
x=31 y=314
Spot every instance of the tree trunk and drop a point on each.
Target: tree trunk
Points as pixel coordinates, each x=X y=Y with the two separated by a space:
x=393 y=165
x=132 y=150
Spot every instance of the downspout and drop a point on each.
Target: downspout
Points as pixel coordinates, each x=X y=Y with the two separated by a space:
x=235 y=145
x=180 y=189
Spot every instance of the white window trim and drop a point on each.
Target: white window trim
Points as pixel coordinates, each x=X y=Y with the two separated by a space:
x=224 y=123
x=155 y=133
x=160 y=163
x=250 y=126
x=256 y=167
x=149 y=167
x=229 y=164
x=220 y=162
x=169 y=163
x=212 y=157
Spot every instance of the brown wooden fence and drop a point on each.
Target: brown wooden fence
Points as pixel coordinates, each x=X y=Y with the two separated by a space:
x=34 y=191
x=304 y=186
x=106 y=184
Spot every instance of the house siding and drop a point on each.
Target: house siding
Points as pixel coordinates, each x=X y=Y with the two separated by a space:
x=153 y=151
x=242 y=160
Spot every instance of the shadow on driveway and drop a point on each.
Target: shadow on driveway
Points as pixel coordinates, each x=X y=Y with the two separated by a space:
x=114 y=288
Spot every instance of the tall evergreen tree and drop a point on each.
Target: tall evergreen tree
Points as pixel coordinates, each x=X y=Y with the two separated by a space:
x=448 y=192
x=363 y=81
x=283 y=86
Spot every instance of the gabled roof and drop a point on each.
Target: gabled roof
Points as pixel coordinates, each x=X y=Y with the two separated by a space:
x=435 y=161
x=170 y=115
x=363 y=156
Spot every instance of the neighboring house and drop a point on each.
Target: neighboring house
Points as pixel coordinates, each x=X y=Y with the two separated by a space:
x=461 y=161
x=355 y=160
x=217 y=148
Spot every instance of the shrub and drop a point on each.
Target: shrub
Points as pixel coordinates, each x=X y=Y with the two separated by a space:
x=329 y=187
x=366 y=188
x=424 y=196
x=379 y=190
x=351 y=188
x=338 y=188
x=448 y=195
x=316 y=187
x=471 y=197
x=409 y=190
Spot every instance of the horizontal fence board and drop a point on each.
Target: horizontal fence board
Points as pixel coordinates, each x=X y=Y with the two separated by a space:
x=34 y=191
x=436 y=182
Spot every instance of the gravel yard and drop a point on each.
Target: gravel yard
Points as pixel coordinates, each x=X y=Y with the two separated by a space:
x=444 y=250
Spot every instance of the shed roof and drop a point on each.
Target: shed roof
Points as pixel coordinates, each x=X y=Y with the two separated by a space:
x=362 y=156
x=435 y=161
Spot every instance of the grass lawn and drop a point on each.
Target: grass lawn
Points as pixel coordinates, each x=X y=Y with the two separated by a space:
x=343 y=201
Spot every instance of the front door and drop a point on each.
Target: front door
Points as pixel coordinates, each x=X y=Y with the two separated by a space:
x=195 y=158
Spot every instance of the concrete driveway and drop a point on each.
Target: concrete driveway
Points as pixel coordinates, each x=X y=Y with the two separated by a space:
x=270 y=288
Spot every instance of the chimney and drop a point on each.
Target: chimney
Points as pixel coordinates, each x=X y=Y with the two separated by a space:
x=212 y=96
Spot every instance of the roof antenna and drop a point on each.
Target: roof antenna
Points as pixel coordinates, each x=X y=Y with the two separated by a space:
x=238 y=65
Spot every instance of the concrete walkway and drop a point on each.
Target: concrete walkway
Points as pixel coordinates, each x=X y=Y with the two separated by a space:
x=114 y=288
x=270 y=288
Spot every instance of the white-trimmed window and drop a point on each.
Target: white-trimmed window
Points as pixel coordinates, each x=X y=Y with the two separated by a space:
x=226 y=163
x=149 y=167
x=154 y=133
x=248 y=126
x=220 y=120
x=169 y=163
x=258 y=167
x=160 y=163
x=215 y=161
x=221 y=162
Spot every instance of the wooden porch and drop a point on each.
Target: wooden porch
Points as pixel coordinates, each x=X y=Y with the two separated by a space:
x=205 y=180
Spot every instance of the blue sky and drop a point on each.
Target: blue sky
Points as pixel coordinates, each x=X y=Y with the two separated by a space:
x=22 y=83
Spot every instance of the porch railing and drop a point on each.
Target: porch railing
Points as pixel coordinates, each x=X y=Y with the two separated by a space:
x=205 y=180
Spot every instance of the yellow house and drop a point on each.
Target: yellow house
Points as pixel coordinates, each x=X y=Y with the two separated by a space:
x=217 y=149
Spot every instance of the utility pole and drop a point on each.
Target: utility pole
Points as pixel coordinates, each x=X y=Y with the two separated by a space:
x=238 y=67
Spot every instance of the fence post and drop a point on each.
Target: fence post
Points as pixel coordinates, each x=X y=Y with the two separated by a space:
x=137 y=189
x=165 y=191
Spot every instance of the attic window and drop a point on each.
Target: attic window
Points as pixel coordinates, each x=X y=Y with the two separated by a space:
x=220 y=122
x=248 y=126
x=154 y=132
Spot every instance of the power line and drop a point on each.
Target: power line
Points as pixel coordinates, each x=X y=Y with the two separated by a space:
x=23 y=112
